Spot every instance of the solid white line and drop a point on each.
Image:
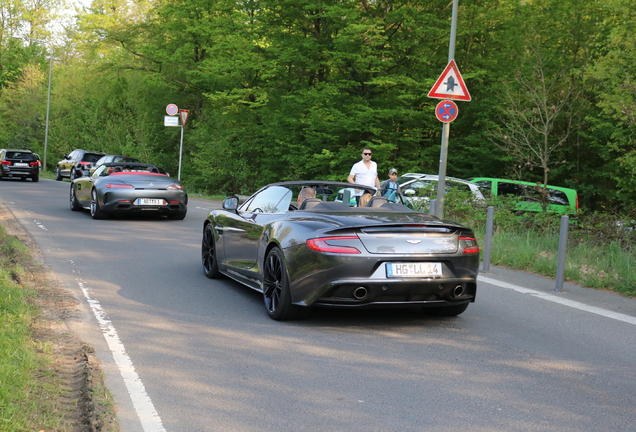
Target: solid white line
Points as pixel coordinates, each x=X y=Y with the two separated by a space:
x=556 y=299
x=149 y=417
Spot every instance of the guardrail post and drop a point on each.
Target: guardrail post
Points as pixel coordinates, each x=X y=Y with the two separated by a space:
x=490 y=217
x=563 y=240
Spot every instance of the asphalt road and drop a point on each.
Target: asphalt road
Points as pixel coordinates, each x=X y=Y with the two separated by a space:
x=184 y=353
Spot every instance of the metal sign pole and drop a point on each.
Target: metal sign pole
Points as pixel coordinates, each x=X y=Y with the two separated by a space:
x=441 y=182
x=180 y=151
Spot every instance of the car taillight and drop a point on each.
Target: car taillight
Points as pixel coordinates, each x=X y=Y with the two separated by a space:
x=6 y=162
x=175 y=187
x=35 y=163
x=119 y=186
x=322 y=245
x=470 y=245
x=85 y=164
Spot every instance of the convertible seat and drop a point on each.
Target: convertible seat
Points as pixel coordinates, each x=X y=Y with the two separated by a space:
x=377 y=201
x=309 y=203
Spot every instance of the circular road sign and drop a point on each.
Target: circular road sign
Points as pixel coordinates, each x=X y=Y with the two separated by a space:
x=172 y=109
x=446 y=111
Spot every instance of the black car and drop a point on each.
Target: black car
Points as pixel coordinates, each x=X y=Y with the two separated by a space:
x=21 y=164
x=76 y=164
x=322 y=252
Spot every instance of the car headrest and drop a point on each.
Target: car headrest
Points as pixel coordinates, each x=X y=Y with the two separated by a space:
x=309 y=203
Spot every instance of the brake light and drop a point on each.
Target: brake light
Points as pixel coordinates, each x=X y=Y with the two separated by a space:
x=322 y=245
x=175 y=187
x=88 y=164
x=119 y=186
x=6 y=162
x=35 y=163
x=471 y=245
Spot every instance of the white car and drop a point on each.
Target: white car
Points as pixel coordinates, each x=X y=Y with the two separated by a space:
x=420 y=188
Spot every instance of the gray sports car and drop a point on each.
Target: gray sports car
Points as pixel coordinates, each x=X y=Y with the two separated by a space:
x=301 y=246
x=129 y=187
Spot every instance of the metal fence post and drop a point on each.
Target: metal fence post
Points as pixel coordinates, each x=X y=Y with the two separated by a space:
x=490 y=217
x=563 y=240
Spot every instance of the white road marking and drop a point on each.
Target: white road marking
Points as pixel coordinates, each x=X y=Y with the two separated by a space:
x=40 y=225
x=148 y=416
x=556 y=299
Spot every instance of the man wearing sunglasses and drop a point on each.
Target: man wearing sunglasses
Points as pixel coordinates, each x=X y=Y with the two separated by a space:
x=364 y=172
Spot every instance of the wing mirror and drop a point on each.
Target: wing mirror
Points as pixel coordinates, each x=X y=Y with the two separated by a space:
x=231 y=203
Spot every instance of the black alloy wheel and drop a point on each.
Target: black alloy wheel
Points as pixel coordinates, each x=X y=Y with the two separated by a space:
x=208 y=254
x=58 y=174
x=73 y=200
x=276 y=291
x=96 y=211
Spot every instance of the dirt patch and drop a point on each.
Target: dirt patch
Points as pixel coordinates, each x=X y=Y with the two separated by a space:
x=83 y=402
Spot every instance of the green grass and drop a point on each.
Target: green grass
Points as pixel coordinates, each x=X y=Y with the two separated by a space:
x=23 y=397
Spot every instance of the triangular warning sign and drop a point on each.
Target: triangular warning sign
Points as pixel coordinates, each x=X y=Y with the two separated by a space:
x=450 y=85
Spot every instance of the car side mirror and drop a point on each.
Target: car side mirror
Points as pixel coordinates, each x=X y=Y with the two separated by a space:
x=65 y=156
x=231 y=203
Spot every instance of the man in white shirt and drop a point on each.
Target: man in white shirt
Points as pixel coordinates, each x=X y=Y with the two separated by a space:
x=364 y=172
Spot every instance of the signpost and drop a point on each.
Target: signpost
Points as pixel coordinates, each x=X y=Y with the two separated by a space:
x=450 y=85
x=171 y=120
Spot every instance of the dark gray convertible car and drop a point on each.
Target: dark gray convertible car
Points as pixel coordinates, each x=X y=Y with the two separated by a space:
x=302 y=247
x=129 y=187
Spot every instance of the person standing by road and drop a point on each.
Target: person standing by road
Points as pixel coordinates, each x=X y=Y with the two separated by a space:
x=364 y=172
x=390 y=187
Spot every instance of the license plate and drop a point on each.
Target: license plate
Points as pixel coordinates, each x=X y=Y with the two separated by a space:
x=397 y=270
x=21 y=164
x=150 y=201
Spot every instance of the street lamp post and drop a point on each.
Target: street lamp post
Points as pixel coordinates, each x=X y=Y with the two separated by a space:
x=48 y=100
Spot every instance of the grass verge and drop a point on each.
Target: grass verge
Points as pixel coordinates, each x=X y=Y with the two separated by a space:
x=25 y=399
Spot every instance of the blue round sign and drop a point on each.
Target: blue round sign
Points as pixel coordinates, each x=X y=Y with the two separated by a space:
x=172 y=109
x=446 y=111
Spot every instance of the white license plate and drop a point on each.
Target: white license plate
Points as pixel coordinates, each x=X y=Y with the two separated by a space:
x=21 y=164
x=397 y=270
x=150 y=201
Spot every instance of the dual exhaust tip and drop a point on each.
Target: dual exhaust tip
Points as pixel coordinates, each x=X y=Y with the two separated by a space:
x=360 y=293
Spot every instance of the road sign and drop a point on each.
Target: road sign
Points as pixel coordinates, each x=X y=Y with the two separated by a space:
x=172 y=109
x=446 y=111
x=170 y=121
x=450 y=85
x=184 y=116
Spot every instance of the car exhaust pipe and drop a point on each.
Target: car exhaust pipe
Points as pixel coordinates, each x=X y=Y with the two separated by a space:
x=457 y=291
x=360 y=293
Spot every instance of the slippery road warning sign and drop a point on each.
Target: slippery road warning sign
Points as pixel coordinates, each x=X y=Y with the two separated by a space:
x=450 y=85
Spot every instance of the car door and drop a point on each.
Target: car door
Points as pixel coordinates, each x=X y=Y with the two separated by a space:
x=243 y=233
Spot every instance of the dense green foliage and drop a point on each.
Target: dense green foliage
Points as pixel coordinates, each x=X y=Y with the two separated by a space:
x=290 y=89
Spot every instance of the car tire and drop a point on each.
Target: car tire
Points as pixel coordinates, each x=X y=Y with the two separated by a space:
x=446 y=311
x=208 y=254
x=23 y=178
x=73 y=200
x=35 y=178
x=73 y=174
x=58 y=174
x=276 y=291
x=96 y=211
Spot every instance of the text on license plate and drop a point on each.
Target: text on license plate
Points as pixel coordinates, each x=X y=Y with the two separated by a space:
x=21 y=164
x=413 y=269
x=150 y=201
